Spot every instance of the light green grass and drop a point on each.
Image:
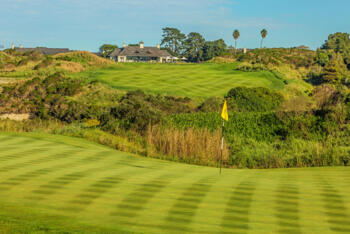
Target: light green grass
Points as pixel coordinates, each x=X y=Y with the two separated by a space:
x=190 y=80
x=60 y=184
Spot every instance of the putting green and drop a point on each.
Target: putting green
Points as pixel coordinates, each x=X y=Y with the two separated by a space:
x=188 y=80
x=60 y=184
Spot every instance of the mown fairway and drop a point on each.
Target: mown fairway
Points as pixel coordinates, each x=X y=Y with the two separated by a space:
x=59 y=184
x=190 y=80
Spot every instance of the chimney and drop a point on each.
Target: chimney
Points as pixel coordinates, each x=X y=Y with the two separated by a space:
x=142 y=45
x=124 y=45
x=13 y=46
x=158 y=46
x=245 y=50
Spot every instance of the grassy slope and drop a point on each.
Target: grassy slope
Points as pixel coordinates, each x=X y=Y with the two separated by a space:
x=191 y=80
x=58 y=184
x=67 y=62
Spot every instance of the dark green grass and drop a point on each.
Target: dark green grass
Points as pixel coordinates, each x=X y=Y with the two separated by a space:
x=190 y=80
x=63 y=185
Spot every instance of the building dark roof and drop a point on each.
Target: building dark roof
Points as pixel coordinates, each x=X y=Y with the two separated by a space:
x=140 y=52
x=44 y=50
x=115 y=53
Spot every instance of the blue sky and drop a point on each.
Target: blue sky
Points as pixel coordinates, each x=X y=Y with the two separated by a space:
x=86 y=24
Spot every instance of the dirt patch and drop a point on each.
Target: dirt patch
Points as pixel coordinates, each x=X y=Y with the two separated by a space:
x=4 y=80
x=17 y=117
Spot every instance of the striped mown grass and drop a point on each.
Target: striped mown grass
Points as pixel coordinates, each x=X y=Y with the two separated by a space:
x=59 y=184
x=188 y=80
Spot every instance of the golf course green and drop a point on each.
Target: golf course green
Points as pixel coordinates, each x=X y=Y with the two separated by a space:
x=59 y=184
x=188 y=80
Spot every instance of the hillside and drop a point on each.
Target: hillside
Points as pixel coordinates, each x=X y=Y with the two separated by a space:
x=18 y=66
x=67 y=185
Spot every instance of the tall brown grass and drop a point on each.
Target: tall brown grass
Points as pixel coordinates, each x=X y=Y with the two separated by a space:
x=195 y=146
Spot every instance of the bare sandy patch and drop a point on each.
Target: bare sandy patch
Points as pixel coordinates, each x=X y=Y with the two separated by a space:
x=17 y=117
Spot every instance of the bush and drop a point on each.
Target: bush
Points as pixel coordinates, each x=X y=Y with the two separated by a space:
x=248 y=67
x=45 y=98
x=254 y=99
x=212 y=104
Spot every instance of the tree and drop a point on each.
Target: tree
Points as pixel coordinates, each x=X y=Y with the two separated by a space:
x=107 y=49
x=236 y=34
x=263 y=36
x=322 y=57
x=173 y=39
x=213 y=49
x=194 y=47
x=339 y=43
x=335 y=70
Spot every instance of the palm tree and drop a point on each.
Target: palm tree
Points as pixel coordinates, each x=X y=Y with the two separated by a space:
x=263 y=35
x=236 y=35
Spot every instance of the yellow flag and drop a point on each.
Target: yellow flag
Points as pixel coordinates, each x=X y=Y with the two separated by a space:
x=224 y=113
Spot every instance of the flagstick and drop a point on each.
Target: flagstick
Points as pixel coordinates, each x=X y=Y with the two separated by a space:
x=222 y=143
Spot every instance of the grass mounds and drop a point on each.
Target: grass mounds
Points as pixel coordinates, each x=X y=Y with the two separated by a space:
x=35 y=64
x=5 y=58
x=52 y=184
x=7 y=62
x=72 y=62
x=187 y=80
x=84 y=58
x=70 y=66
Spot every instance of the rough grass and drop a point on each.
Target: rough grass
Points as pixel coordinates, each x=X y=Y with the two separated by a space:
x=52 y=184
x=190 y=80
x=84 y=58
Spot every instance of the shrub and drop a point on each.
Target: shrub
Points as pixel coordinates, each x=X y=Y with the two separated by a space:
x=322 y=57
x=254 y=99
x=212 y=104
x=248 y=67
x=335 y=70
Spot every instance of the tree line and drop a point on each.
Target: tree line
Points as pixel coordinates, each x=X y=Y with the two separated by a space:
x=192 y=46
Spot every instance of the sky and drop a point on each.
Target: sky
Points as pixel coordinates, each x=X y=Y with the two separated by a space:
x=87 y=24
